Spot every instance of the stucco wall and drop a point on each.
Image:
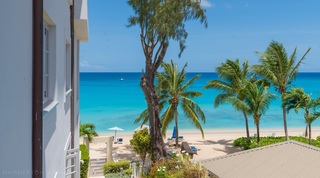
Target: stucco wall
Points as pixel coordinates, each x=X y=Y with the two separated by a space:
x=56 y=124
x=16 y=88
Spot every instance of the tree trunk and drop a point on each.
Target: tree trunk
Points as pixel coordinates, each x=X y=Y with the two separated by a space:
x=258 y=133
x=285 y=122
x=177 y=133
x=247 y=126
x=306 y=132
x=157 y=144
x=309 y=133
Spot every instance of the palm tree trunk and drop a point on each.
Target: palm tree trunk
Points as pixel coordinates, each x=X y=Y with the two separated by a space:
x=157 y=144
x=177 y=133
x=258 y=133
x=306 y=133
x=309 y=133
x=247 y=126
x=285 y=122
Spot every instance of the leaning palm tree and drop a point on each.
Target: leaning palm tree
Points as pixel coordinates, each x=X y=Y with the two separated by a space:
x=280 y=69
x=297 y=99
x=173 y=90
x=258 y=99
x=232 y=83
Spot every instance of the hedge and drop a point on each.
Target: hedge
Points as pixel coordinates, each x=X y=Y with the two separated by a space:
x=84 y=165
x=116 y=167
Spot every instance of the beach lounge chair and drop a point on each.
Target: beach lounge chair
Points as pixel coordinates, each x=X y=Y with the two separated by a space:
x=174 y=135
x=193 y=148
x=185 y=147
x=120 y=140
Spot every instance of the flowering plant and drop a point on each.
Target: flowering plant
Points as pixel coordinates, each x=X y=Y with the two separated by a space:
x=162 y=172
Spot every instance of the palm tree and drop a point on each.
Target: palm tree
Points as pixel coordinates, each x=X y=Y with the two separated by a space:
x=88 y=130
x=280 y=69
x=173 y=90
x=297 y=99
x=234 y=79
x=258 y=99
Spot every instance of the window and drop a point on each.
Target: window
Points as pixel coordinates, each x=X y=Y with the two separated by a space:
x=45 y=63
x=49 y=66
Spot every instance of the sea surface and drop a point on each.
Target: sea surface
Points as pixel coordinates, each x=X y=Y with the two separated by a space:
x=116 y=99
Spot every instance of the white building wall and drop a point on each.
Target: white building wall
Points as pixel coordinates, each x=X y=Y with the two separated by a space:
x=56 y=124
x=16 y=88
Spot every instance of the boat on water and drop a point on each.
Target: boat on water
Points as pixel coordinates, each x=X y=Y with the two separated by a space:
x=121 y=79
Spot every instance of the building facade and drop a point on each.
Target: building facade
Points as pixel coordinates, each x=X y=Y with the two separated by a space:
x=39 y=86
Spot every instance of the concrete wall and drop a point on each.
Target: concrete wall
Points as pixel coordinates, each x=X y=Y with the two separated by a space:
x=16 y=88
x=56 y=123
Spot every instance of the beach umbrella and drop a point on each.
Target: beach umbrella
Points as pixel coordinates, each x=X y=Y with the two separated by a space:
x=141 y=127
x=115 y=128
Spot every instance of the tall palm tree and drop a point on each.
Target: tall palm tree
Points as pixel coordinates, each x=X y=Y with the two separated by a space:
x=297 y=99
x=232 y=83
x=258 y=99
x=88 y=130
x=280 y=69
x=173 y=90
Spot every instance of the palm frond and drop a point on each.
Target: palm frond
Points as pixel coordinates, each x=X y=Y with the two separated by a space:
x=143 y=117
x=192 y=115
x=167 y=118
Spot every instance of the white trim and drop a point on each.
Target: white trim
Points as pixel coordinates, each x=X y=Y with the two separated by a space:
x=50 y=107
x=67 y=93
x=66 y=147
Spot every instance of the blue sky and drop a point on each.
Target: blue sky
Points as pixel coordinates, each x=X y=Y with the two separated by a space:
x=237 y=29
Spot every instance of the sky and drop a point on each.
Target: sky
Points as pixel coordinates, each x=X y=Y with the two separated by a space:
x=237 y=29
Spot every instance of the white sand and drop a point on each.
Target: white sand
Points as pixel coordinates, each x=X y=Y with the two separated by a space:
x=216 y=142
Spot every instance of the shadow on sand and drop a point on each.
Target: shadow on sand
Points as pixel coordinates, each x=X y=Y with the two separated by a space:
x=228 y=147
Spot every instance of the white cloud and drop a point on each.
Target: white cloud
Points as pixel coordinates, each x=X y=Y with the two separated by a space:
x=85 y=66
x=206 y=3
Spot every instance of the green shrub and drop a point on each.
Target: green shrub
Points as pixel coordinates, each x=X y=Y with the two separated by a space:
x=84 y=165
x=116 y=167
x=118 y=175
x=179 y=166
x=264 y=141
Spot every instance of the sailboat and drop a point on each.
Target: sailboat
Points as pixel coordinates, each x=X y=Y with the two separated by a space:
x=121 y=78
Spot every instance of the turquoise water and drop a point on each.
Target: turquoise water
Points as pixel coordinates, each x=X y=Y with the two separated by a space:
x=108 y=101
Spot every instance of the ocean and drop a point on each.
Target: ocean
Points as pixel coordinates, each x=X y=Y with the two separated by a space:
x=116 y=99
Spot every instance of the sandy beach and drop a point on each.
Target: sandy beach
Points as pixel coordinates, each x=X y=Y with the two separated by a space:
x=215 y=143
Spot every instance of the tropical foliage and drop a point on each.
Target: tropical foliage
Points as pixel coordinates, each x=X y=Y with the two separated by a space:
x=258 y=99
x=85 y=159
x=233 y=85
x=141 y=144
x=297 y=99
x=88 y=130
x=242 y=142
x=176 y=167
x=160 y=22
x=175 y=91
x=280 y=69
x=116 y=168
